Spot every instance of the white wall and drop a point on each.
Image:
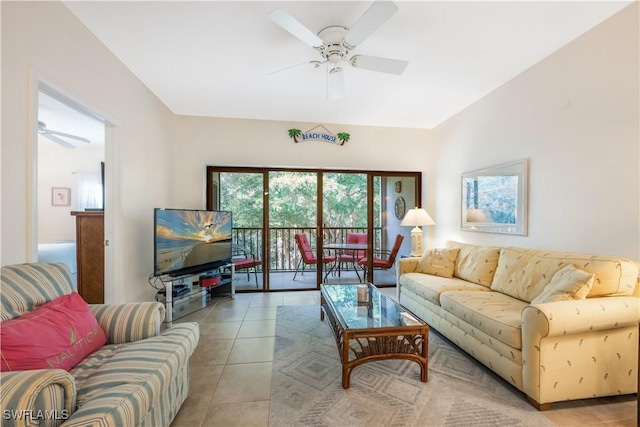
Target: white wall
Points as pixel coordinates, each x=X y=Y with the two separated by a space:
x=200 y=141
x=203 y=141
x=58 y=167
x=43 y=40
x=575 y=116
x=157 y=159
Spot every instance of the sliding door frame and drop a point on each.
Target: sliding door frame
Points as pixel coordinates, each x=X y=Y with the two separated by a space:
x=371 y=174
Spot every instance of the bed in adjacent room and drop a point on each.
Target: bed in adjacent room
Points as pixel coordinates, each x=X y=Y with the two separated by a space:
x=60 y=252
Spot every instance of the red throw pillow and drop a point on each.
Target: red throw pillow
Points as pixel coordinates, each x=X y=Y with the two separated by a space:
x=58 y=334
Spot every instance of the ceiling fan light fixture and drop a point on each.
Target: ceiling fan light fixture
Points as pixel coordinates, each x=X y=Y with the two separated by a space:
x=335 y=42
x=335 y=58
x=335 y=83
x=334 y=50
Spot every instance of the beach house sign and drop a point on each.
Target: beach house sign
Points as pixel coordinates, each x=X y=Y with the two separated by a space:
x=319 y=133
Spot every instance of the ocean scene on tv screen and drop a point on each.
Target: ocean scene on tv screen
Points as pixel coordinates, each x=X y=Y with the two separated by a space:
x=186 y=239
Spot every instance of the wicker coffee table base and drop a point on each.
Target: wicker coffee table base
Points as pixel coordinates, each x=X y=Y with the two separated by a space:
x=358 y=346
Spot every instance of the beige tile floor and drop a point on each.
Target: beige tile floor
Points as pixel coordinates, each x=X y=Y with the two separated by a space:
x=231 y=369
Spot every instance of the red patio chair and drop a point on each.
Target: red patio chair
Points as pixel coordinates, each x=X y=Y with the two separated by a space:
x=384 y=259
x=351 y=257
x=244 y=260
x=308 y=255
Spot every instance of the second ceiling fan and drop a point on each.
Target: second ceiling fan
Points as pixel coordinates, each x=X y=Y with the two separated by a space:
x=335 y=43
x=57 y=137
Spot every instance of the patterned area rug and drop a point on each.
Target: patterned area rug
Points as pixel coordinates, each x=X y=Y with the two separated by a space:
x=306 y=387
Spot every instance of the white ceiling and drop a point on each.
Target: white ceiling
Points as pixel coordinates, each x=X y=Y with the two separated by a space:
x=214 y=58
x=61 y=117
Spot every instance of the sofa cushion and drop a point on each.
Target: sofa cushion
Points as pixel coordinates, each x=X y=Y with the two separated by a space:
x=494 y=313
x=105 y=391
x=476 y=264
x=524 y=273
x=431 y=287
x=56 y=335
x=26 y=287
x=439 y=262
x=568 y=283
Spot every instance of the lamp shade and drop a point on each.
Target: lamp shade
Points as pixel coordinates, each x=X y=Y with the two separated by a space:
x=417 y=217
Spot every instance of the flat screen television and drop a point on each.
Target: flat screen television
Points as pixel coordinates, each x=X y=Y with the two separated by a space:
x=189 y=241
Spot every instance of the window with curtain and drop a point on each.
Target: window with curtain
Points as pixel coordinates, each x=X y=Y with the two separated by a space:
x=89 y=185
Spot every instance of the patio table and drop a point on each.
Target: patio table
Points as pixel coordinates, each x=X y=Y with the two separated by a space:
x=342 y=248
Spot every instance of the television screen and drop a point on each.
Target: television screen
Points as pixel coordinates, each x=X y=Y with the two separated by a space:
x=190 y=241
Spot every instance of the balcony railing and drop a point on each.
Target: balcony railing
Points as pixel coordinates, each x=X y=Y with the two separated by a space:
x=283 y=251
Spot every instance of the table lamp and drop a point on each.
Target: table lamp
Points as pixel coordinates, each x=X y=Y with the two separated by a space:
x=416 y=217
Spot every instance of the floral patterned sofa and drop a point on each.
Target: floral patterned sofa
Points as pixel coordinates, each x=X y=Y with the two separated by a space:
x=557 y=326
x=140 y=377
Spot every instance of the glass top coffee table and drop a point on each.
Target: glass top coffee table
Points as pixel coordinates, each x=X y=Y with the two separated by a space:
x=369 y=326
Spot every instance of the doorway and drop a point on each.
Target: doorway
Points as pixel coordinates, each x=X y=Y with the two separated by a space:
x=71 y=151
x=273 y=207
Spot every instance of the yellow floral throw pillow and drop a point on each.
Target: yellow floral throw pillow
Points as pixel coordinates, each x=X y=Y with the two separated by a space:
x=566 y=284
x=438 y=262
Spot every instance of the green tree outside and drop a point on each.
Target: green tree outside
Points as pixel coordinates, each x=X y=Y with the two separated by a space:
x=293 y=203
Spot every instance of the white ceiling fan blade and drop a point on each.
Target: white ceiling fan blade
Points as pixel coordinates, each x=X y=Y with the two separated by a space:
x=377 y=14
x=293 y=26
x=66 y=135
x=316 y=64
x=57 y=140
x=376 y=63
x=335 y=83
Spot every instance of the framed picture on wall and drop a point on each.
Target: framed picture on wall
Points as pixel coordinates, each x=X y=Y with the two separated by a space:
x=494 y=200
x=61 y=196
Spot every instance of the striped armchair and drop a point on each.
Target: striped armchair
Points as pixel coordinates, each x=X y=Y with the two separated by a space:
x=139 y=378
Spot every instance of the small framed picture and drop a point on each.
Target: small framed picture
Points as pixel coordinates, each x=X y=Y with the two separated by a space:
x=61 y=196
x=398 y=186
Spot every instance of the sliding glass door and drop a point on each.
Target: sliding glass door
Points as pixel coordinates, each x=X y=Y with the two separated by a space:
x=344 y=224
x=396 y=194
x=293 y=229
x=242 y=192
x=307 y=227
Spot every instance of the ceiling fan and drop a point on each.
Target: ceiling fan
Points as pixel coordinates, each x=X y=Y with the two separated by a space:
x=56 y=136
x=335 y=43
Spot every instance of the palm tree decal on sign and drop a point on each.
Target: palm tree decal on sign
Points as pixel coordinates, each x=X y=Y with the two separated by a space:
x=344 y=137
x=295 y=133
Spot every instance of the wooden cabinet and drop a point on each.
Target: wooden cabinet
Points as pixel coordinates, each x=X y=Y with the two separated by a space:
x=90 y=255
